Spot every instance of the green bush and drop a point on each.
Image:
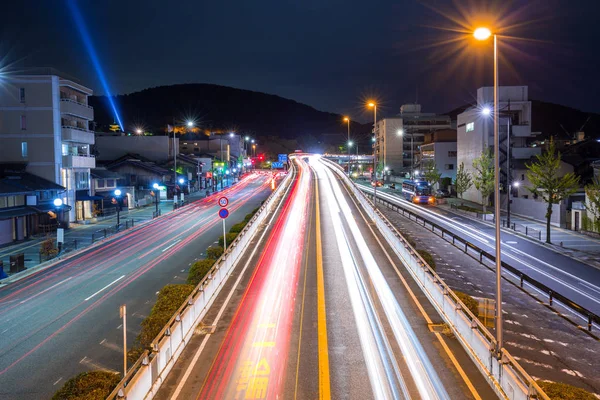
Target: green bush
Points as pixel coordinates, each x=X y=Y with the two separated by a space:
x=409 y=239
x=563 y=391
x=237 y=228
x=230 y=238
x=427 y=257
x=170 y=298
x=471 y=303
x=199 y=270
x=134 y=353
x=214 y=252
x=95 y=385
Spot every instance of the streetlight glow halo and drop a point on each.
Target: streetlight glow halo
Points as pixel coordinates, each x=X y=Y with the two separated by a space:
x=482 y=33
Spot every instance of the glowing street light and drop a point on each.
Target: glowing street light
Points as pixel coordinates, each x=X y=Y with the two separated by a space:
x=231 y=134
x=139 y=131
x=57 y=202
x=486 y=111
x=347 y=119
x=156 y=194
x=190 y=124
x=118 y=204
x=181 y=180
x=482 y=33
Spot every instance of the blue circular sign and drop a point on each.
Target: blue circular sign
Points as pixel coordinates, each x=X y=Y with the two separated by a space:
x=223 y=213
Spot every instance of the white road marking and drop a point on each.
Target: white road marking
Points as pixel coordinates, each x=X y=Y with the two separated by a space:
x=106 y=287
x=120 y=326
x=103 y=340
x=59 y=379
x=45 y=290
x=168 y=247
x=511 y=242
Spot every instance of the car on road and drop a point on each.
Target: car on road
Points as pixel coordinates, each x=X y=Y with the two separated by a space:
x=377 y=183
x=442 y=193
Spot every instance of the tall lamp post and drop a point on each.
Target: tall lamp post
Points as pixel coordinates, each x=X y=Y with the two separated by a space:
x=155 y=186
x=484 y=34
x=374 y=107
x=350 y=144
x=118 y=204
x=58 y=203
x=346 y=119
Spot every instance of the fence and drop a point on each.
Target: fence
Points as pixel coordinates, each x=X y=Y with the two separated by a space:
x=483 y=256
x=106 y=232
x=502 y=371
x=144 y=378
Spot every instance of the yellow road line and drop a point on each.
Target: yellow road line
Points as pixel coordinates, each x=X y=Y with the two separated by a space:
x=324 y=384
x=421 y=309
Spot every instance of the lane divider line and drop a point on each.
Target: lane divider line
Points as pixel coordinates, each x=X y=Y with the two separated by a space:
x=106 y=287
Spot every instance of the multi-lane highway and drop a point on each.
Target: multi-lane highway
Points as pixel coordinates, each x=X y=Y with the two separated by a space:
x=321 y=308
x=65 y=319
x=565 y=275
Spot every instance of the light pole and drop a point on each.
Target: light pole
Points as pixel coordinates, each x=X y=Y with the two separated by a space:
x=118 y=204
x=350 y=144
x=484 y=34
x=155 y=186
x=346 y=119
x=374 y=106
x=58 y=203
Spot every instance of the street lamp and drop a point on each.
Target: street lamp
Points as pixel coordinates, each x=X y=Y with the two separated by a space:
x=155 y=186
x=346 y=119
x=118 y=204
x=484 y=34
x=139 y=131
x=374 y=107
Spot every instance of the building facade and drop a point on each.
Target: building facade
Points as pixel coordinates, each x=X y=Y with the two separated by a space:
x=45 y=122
x=398 y=140
x=475 y=133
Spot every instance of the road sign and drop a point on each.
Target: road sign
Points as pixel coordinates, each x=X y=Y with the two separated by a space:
x=223 y=201
x=283 y=158
x=276 y=165
x=223 y=213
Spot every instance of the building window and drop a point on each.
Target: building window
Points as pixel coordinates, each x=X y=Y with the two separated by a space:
x=522 y=177
x=24 y=149
x=470 y=126
x=82 y=180
x=22 y=95
x=449 y=167
x=100 y=183
x=110 y=183
x=452 y=154
x=23 y=122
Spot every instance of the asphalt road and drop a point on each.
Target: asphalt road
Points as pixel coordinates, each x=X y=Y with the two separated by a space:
x=65 y=320
x=574 y=279
x=321 y=308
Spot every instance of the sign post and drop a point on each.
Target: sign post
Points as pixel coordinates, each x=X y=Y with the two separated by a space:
x=123 y=313
x=224 y=213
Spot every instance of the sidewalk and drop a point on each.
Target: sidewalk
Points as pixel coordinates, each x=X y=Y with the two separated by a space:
x=79 y=236
x=566 y=241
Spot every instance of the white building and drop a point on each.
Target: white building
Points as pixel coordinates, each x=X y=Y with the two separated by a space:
x=475 y=132
x=44 y=122
x=398 y=140
x=440 y=147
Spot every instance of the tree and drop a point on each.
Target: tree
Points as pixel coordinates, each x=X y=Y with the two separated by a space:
x=547 y=183
x=431 y=173
x=592 y=195
x=484 y=176
x=463 y=180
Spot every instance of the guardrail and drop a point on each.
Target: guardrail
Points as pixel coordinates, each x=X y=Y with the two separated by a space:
x=504 y=374
x=481 y=255
x=144 y=378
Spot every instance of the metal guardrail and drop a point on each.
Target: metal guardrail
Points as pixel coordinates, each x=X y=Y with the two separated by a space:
x=144 y=378
x=504 y=373
x=470 y=248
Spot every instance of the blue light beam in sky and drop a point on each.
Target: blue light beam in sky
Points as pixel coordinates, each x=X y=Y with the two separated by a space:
x=87 y=41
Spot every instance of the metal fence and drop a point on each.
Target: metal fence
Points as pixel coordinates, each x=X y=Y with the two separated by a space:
x=504 y=374
x=144 y=378
x=111 y=230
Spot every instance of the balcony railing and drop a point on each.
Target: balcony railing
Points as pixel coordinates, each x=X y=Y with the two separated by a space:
x=76 y=134
x=79 y=161
x=76 y=108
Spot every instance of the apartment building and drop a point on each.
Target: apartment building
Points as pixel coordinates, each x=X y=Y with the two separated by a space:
x=45 y=123
x=398 y=139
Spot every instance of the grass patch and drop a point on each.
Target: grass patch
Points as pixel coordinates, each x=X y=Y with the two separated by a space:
x=427 y=257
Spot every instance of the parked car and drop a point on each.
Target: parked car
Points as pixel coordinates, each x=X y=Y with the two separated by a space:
x=379 y=183
x=442 y=193
x=392 y=186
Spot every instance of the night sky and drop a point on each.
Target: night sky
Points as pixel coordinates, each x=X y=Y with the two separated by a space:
x=331 y=55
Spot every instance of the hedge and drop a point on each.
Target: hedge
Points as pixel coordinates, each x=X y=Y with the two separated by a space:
x=563 y=391
x=214 y=252
x=471 y=303
x=199 y=269
x=427 y=257
x=230 y=238
x=94 y=385
x=170 y=298
x=237 y=228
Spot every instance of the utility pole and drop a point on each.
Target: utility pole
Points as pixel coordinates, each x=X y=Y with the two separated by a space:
x=123 y=314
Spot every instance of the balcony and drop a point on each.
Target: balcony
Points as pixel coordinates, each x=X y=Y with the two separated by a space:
x=521 y=130
x=525 y=153
x=79 y=161
x=68 y=106
x=73 y=134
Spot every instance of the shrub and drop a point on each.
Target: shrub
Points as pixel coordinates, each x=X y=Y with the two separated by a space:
x=95 y=385
x=199 y=269
x=237 y=228
x=47 y=248
x=134 y=353
x=471 y=303
x=214 y=252
x=409 y=239
x=563 y=391
x=170 y=298
x=427 y=257
x=230 y=238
